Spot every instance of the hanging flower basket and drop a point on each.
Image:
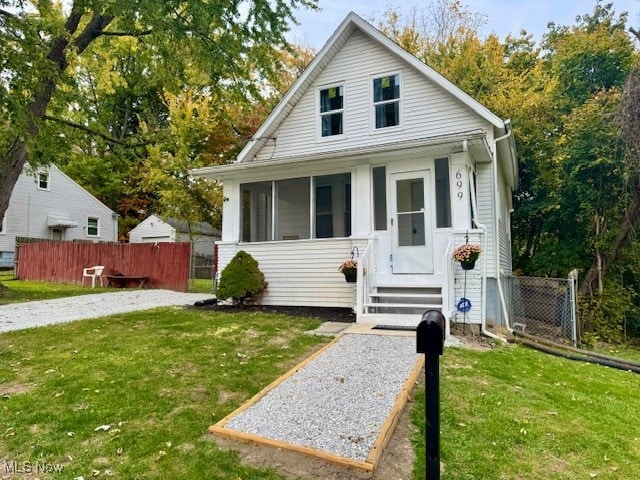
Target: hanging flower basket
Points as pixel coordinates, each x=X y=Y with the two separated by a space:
x=349 y=268
x=467 y=255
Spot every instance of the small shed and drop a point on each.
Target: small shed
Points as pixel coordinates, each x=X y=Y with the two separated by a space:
x=154 y=229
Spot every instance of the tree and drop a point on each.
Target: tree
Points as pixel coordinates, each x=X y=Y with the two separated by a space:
x=226 y=44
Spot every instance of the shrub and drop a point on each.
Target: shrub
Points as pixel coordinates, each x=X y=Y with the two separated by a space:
x=241 y=280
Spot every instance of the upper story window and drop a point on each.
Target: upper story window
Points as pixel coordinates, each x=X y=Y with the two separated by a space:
x=43 y=180
x=3 y=226
x=386 y=101
x=93 y=227
x=332 y=111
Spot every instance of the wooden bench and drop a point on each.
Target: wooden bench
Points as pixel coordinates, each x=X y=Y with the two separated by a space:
x=121 y=281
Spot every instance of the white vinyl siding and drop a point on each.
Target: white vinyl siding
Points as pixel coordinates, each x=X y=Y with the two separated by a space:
x=428 y=109
x=487 y=211
x=152 y=229
x=30 y=207
x=300 y=273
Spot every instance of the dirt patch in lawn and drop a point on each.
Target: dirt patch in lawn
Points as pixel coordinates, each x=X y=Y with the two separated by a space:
x=395 y=463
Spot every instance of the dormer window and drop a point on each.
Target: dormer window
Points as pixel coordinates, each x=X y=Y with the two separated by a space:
x=43 y=180
x=331 y=111
x=386 y=101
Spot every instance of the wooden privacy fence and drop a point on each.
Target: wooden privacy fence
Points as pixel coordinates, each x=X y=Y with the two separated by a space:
x=165 y=264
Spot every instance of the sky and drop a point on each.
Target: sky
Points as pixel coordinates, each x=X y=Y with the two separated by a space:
x=504 y=16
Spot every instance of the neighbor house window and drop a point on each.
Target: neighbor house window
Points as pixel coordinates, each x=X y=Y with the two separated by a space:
x=331 y=111
x=386 y=101
x=43 y=181
x=443 y=199
x=3 y=226
x=93 y=227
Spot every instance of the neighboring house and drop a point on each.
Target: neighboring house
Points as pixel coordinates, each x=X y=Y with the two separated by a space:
x=372 y=152
x=153 y=229
x=47 y=204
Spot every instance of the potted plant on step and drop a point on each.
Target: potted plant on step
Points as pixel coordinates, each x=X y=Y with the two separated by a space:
x=349 y=268
x=467 y=255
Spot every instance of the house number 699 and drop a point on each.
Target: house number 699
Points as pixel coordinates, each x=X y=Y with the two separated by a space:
x=459 y=185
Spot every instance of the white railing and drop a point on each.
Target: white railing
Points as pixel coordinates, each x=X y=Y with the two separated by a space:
x=366 y=273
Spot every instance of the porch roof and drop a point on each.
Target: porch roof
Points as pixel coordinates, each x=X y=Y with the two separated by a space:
x=475 y=142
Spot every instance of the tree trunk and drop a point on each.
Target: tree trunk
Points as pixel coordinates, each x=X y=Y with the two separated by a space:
x=13 y=160
x=627 y=232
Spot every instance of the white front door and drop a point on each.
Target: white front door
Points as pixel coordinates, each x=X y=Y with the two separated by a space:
x=412 y=241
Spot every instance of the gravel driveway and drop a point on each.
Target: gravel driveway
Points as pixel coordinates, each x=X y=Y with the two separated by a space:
x=18 y=316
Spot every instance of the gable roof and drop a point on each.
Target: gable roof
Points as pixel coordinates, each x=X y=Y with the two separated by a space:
x=352 y=22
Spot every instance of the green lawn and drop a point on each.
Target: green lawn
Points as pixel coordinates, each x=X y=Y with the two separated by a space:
x=157 y=379
x=22 y=291
x=514 y=413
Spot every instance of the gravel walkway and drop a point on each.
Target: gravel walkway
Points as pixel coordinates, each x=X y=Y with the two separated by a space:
x=17 y=316
x=338 y=402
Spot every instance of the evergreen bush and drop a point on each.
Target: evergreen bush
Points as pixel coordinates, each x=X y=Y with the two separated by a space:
x=241 y=280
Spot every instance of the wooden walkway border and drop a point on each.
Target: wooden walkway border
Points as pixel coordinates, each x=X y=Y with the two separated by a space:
x=379 y=445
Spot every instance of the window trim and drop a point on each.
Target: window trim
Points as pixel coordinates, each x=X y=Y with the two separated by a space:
x=48 y=181
x=97 y=227
x=3 y=225
x=320 y=115
x=399 y=100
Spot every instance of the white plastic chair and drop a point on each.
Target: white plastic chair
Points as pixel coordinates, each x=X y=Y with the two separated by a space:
x=93 y=273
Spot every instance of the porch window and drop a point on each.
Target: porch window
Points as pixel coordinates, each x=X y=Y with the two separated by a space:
x=443 y=198
x=379 y=180
x=331 y=111
x=292 y=209
x=333 y=205
x=296 y=209
x=386 y=101
x=324 y=211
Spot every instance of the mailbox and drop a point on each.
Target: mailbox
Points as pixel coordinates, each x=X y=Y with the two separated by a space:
x=430 y=334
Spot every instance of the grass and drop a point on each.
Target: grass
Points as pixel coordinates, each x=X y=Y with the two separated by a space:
x=158 y=379
x=22 y=291
x=514 y=413
x=200 y=285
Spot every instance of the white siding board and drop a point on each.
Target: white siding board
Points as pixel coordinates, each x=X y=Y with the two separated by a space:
x=486 y=211
x=152 y=227
x=29 y=208
x=427 y=109
x=300 y=273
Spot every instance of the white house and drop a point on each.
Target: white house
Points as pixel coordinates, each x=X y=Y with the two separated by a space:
x=153 y=229
x=373 y=154
x=47 y=204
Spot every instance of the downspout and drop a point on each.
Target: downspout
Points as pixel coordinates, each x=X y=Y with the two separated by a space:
x=503 y=303
x=483 y=227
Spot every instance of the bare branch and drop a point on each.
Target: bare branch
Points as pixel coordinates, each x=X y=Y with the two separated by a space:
x=90 y=131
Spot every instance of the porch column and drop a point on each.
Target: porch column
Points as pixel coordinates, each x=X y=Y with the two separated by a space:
x=231 y=211
x=361 y=201
x=460 y=195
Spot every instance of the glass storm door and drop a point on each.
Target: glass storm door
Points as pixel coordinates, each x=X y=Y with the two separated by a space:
x=412 y=244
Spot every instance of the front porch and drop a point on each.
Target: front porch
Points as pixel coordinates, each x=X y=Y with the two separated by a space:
x=305 y=273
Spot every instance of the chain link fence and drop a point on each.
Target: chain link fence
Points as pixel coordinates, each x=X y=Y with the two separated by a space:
x=202 y=273
x=544 y=307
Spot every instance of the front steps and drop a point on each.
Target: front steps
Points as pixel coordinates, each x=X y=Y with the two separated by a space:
x=394 y=305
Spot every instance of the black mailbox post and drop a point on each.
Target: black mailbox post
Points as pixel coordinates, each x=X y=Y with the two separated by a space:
x=430 y=341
